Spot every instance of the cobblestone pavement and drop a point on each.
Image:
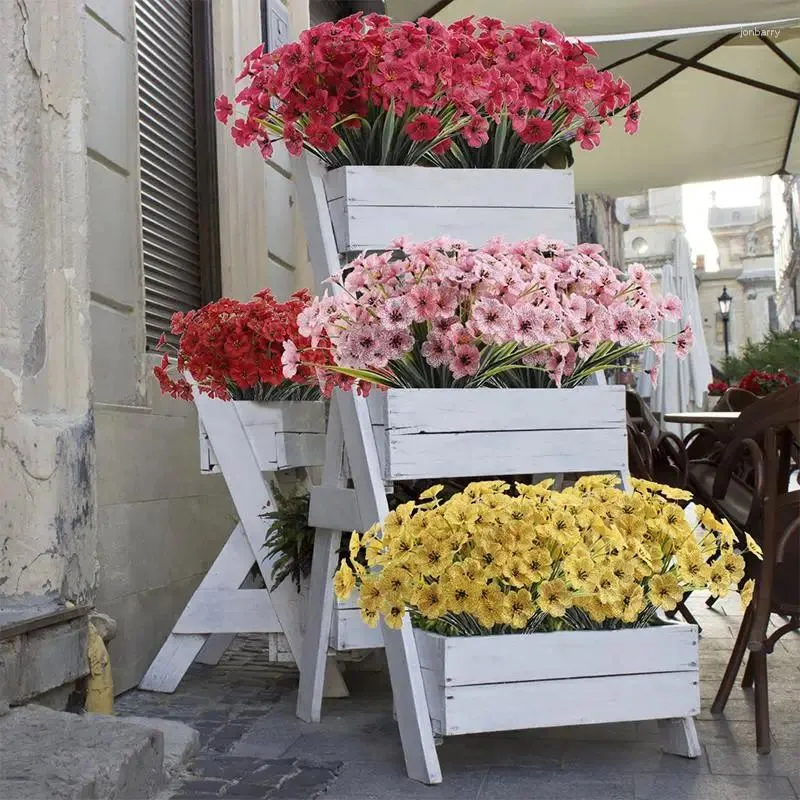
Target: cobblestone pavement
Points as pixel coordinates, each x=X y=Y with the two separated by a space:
x=254 y=747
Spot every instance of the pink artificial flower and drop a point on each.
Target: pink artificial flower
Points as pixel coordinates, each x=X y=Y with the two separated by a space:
x=476 y=131
x=290 y=359
x=684 y=341
x=396 y=314
x=398 y=343
x=671 y=307
x=422 y=302
x=588 y=134
x=223 y=109
x=632 y=118
x=492 y=318
x=436 y=350
x=423 y=128
x=465 y=360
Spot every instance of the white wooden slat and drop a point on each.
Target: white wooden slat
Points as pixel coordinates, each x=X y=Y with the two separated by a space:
x=349 y=632
x=300 y=450
x=280 y=222
x=510 y=189
x=303 y=416
x=679 y=737
x=335 y=508
x=447 y=455
x=359 y=228
x=313 y=658
x=465 y=660
x=215 y=647
x=228 y=611
x=419 y=750
x=576 y=701
x=457 y=410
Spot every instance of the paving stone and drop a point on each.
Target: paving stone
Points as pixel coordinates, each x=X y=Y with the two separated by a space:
x=367 y=780
x=200 y=788
x=498 y=749
x=251 y=790
x=223 y=767
x=504 y=783
x=590 y=759
x=734 y=760
x=347 y=747
x=712 y=787
x=309 y=782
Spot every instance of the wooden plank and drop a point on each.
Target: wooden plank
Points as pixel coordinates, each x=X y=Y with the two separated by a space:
x=456 y=410
x=371 y=228
x=465 y=660
x=302 y=416
x=679 y=737
x=334 y=508
x=319 y=612
x=300 y=450
x=576 y=701
x=229 y=611
x=447 y=455
x=349 y=632
x=428 y=187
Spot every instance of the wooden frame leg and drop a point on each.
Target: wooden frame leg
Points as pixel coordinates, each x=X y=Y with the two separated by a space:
x=679 y=737
x=749 y=672
x=763 y=743
x=735 y=661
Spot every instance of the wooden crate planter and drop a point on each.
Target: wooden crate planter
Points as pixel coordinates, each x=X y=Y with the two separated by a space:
x=543 y=680
x=475 y=432
x=348 y=630
x=371 y=206
x=282 y=435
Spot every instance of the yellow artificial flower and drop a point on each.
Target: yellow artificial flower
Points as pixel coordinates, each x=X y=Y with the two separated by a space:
x=460 y=512
x=539 y=562
x=733 y=564
x=461 y=593
x=393 y=613
x=622 y=567
x=631 y=597
x=354 y=545
x=746 y=593
x=396 y=519
x=344 y=581
x=719 y=579
x=369 y=616
x=520 y=608
x=472 y=568
x=665 y=591
x=432 y=492
x=579 y=572
x=433 y=556
x=489 y=605
x=431 y=601
x=554 y=598
x=493 y=558
x=753 y=546
x=606 y=585
x=692 y=567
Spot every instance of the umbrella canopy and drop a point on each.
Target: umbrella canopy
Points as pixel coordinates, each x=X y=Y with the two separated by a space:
x=717 y=101
x=682 y=382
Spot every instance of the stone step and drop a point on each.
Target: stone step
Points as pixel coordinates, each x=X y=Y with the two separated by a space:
x=60 y=756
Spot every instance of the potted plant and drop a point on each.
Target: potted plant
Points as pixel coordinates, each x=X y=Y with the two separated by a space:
x=537 y=608
x=371 y=99
x=230 y=350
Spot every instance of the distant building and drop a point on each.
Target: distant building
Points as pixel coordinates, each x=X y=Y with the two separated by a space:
x=744 y=238
x=787 y=258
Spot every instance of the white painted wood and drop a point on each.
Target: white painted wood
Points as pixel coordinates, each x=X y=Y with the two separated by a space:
x=334 y=686
x=227 y=610
x=679 y=737
x=229 y=570
x=419 y=750
x=313 y=658
x=348 y=631
x=466 y=660
x=575 y=701
x=215 y=647
x=520 y=681
x=360 y=228
x=334 y=507
x=430 y=187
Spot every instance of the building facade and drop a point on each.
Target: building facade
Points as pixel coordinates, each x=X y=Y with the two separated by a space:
x=787 y=258
x=122 y=203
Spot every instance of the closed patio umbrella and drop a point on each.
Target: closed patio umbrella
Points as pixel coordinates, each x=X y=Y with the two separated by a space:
x=717 y=101
x=681 y=382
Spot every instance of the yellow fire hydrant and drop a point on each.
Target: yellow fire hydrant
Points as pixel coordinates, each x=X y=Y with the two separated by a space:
x=99 y=684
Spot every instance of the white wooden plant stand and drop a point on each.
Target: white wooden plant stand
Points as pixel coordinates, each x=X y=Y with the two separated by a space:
x=247 y=442
x=441 y=433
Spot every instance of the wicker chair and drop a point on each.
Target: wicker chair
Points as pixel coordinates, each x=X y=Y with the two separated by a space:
x=774 y=520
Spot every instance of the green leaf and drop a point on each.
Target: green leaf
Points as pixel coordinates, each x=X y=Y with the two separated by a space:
x=387 y=137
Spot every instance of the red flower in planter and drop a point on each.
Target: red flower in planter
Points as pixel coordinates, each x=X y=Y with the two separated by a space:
x=717 y=387
x=763 y=383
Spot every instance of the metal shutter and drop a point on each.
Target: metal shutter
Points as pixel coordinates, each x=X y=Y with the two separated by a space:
x=170 y=204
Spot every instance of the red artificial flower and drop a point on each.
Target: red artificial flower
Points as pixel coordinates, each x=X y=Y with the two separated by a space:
x=632 y=118
x=423 y=128
x=717 y=387
x=536 y=131
x=588 y=134
x=476 y=132
x=223 y=109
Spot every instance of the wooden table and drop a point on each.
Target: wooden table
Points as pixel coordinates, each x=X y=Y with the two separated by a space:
x=701 y=417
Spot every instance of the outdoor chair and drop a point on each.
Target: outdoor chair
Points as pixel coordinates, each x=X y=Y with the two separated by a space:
x=704 y=442
x=777 y=577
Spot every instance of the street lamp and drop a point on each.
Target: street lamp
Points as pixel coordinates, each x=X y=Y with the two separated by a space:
x=724 y=301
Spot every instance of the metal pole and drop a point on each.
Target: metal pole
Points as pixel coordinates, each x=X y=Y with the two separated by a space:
x=725 y=334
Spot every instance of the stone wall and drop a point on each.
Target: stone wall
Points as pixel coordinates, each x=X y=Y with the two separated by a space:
x=597 y=222
x=47 y=429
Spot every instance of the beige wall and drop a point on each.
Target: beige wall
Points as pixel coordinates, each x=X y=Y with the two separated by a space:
x=160 y=523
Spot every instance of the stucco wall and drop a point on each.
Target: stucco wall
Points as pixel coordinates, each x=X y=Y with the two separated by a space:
x=160 y=524
x=47 y=493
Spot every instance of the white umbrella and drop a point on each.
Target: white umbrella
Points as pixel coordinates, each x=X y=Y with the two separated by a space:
x=681 y=382
x=716 y=100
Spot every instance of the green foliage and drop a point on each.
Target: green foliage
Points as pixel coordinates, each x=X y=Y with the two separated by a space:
x=289 y=538
x=778 y=351
x=267 y=393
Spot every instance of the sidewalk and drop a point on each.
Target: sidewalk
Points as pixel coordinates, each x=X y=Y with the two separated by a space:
x=254 y=747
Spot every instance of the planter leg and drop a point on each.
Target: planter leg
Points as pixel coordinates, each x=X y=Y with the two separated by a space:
x=334 y=685
x=679 y=737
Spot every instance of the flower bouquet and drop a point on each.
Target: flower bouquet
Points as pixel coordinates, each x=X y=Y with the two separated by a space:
x=583 y=573
x=763 y=383
x=440 y=314
x=368 y=91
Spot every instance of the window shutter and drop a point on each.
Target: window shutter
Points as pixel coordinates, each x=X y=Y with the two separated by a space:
x=177 y=186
